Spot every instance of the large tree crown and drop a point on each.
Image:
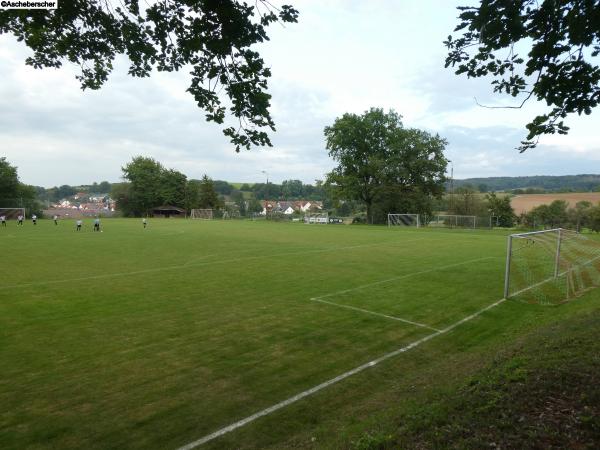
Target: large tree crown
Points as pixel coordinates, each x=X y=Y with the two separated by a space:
x=211 y=37
x=561 y=67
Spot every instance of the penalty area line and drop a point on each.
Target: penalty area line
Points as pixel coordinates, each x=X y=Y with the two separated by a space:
x=332 y=381
x=417 y=324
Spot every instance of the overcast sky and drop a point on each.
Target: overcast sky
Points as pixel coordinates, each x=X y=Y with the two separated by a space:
x=342 y=56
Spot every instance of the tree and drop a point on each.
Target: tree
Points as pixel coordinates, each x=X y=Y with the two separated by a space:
x=9 y=182
x=594 y=218
x=65 y=191
x=238 y=198
x=580 y=215
x=551 y=216
x=501 y=209
x=13 y=193
x=254 y=206
x=145 y=176
x=222 y=187
x=563 y=38
x=192 y=195
x=104 y=187
x=120 y=192
x=465 y=201
x=208 y=196
x=291 y=189
x=392 y=198
x=557 y=211
x=216 y=39
x=172 y=188
x=374 y=150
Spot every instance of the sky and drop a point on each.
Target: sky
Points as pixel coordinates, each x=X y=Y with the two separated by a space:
x=342 y=56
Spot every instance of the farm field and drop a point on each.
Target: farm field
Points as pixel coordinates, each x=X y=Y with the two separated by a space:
x=526 y=202
x=157 y=338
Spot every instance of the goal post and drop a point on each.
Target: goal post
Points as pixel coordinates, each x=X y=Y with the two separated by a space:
x=205 y=214
x=12 y=213
x=403 y=220
x=550 y=266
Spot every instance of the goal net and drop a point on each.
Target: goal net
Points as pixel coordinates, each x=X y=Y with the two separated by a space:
x=453 y=221
x=403 y=220
x=551 y=266
x=206 y=214
x=12 y=213
x=316 y=218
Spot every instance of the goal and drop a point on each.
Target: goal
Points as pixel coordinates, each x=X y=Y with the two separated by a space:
x=551 y=266
x=403 y=220
x=453 y=221
x=316 y=218
x=12 y=213
x=206 y=214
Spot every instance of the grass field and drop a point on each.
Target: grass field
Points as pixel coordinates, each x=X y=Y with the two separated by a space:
x=155 y=338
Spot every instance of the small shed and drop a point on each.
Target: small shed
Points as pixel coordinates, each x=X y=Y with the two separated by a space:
x=167 y=211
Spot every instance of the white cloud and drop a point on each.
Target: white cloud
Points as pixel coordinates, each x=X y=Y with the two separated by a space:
x=343 y=56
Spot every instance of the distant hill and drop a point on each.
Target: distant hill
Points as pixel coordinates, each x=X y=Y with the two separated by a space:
x=574 y=183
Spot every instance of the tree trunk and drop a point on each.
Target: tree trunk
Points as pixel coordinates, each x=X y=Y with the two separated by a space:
x=369 y=212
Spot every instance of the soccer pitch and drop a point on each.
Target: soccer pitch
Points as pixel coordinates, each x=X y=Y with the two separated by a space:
x=158 y=337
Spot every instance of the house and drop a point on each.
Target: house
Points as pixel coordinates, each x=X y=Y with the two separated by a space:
x=289 y=207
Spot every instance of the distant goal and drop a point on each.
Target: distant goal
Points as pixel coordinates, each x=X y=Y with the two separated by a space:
x=453 y=221
x=551 y=266
x=205 y=214
x=403 y=220
x=12 y=213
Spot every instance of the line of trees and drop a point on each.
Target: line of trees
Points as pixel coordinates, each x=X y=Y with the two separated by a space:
x=559 y=214
x=537 y=184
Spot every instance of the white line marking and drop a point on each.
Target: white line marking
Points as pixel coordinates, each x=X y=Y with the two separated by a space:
x=327 y=383
x=204 y=263
x=375 y=313
x=400 y=277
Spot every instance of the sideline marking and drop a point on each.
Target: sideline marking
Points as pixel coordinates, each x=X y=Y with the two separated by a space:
x=375 y=314
x=400 y=277
x=204 y=263
x=327 y=383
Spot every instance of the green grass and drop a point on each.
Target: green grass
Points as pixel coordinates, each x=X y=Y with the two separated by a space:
x=153 y=338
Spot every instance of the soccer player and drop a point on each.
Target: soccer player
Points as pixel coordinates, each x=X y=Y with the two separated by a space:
x=79 y=222
x=97 y=224
x=145 y=222
x=34 y=219
x=55 y=218
x=3 y=220
x=20 y=220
